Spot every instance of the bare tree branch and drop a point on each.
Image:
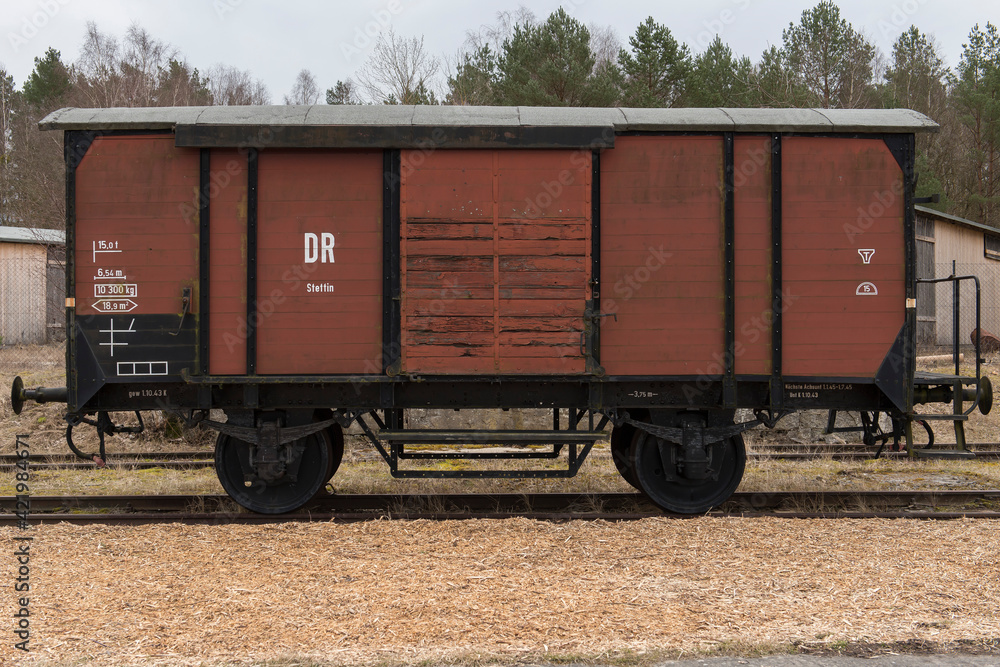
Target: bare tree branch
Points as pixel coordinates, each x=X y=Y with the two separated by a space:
x=399 y=71
x=230 y=86
x=305 y=90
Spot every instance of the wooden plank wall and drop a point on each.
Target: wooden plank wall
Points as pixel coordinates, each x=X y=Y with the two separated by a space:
x=227 y=293
x=752 y=194
x=131 y=195
x=840 y=195
x=495 y=260
x=966 y=247
x=662 y=256
x=321 y=316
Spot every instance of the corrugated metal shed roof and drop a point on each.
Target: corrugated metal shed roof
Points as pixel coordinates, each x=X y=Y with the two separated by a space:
x=28 y=235
x=622 y=120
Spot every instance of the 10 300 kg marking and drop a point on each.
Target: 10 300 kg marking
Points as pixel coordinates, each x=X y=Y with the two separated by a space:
x=116 y=289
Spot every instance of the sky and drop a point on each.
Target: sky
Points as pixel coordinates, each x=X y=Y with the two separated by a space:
x=275 y=39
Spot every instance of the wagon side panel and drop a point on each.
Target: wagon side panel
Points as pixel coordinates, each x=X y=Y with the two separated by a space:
x=662 y=256
x=843 y=272
x=319 y=275
x=227 y=352
x=752 y=194
x=136 y=257
x=495 y=260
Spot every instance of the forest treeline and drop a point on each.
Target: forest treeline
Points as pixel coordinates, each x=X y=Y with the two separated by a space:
x=822 y=61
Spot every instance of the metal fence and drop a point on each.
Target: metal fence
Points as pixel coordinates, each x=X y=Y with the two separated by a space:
x=32 y=297
x=940 y=325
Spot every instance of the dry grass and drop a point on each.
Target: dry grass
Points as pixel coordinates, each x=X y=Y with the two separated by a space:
x=514 y=591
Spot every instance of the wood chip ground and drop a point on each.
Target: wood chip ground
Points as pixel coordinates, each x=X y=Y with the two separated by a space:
x=403 y=591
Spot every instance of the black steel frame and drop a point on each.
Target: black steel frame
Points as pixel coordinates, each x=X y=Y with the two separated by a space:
x=777 y=389
x=204 y=257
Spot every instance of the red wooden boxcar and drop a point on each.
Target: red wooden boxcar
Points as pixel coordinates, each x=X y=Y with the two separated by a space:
x=305 y=268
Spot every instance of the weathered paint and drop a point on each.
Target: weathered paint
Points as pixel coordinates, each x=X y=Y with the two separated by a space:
x=752 y=195
x=840 y=195
x=227 y=291
x=302 y=330
x=661 y=256
x=495 y=260
x=136 y=224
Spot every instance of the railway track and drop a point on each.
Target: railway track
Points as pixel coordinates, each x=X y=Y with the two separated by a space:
x=218 y=509
x=183 y=460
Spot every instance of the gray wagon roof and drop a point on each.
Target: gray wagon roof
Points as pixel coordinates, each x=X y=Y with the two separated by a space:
x=402 y=126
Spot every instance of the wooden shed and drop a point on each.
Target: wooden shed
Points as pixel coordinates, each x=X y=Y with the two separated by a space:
x=943 y=242
x=32 y=285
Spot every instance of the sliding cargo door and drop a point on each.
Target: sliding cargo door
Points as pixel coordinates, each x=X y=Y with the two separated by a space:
x=495 y=260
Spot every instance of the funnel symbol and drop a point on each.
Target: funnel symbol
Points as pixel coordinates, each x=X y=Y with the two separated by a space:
x=866 y=254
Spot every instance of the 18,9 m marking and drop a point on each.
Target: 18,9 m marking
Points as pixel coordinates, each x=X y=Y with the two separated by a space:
x=115 y=305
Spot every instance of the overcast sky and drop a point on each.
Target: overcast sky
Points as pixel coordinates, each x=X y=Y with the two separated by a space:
x=275 y=39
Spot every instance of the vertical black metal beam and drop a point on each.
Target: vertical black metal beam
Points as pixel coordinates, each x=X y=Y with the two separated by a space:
x=910 y=259
x=729 y=243
x=391 y=288
x=392 y=336
x=69 y=149
x=777 y=390
x=595 y=255
x=204 y=257
x=252 y=319
x=75 y=146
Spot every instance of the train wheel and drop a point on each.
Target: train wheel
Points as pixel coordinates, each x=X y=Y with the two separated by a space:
x=304 y=476
x=661 y=478
x=621 y=452
x=335 y=436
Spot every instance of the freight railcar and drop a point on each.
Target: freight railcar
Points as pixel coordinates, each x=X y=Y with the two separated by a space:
x=306 y=268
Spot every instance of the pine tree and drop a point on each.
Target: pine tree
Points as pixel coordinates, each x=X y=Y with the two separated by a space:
x=718 y=79
x=916 y=78
x=977 y=100
x=475 y=77
x=657 y=68
x=833 y=61
x=342 y=93
x=551 y=64
x=48 y=83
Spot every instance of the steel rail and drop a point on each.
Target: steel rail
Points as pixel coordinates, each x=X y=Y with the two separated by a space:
x=197 y=460
x=218 y=509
